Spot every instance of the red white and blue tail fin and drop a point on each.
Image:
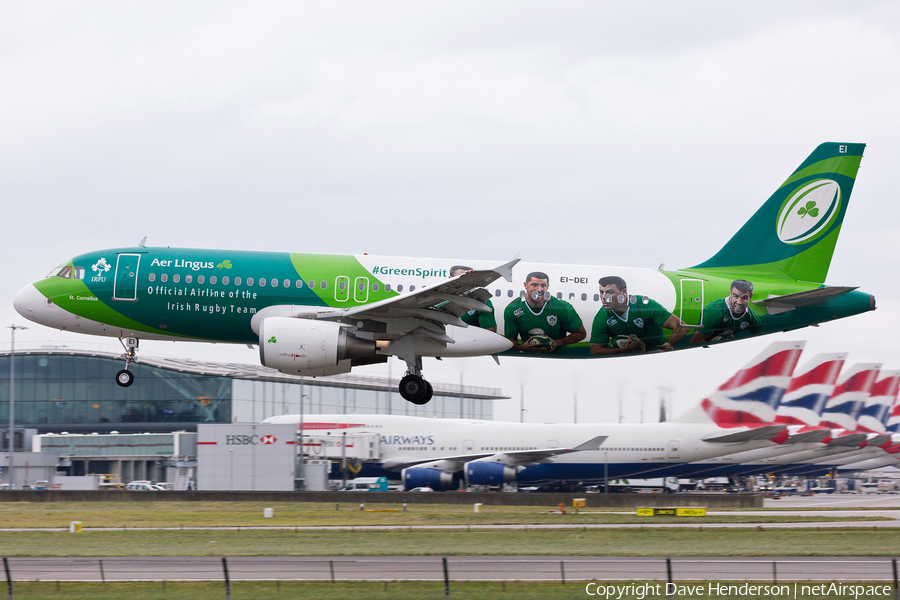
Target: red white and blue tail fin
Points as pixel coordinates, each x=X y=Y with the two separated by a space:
x=877 y=410
x=750 y=397
x=809 y=390
x=843 y=408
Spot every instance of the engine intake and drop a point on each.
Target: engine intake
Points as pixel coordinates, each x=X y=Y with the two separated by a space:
x=487 y=473
x=309 y=347
x=436 y=479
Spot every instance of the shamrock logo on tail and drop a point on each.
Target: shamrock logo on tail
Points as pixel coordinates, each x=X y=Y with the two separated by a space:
x=225 y=264
x=272 y=340
x=810 y=209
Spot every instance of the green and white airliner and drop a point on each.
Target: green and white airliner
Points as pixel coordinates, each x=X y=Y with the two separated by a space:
x=316 y=314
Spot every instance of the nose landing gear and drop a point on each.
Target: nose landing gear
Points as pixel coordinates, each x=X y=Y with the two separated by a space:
x=125 y=377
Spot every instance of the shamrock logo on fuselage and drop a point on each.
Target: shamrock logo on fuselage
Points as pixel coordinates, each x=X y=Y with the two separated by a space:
x=225 y=264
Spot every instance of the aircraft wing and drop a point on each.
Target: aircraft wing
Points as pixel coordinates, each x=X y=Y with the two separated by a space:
x=780 y=304
x=440 y=304
x=512 y=458
x=766 y=432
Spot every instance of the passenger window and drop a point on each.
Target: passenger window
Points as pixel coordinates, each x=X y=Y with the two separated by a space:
x=510 y=293
x=341 y=284
x=362 y=286
x=412 y=288
x=287 y=283
x=249 y=281
x=274 y=283
x=596 y=297
x=312 y=285
x=400 y=288
x=213 y=279
x=164 y=277
x=374 y=287
x=571 y=295
x=559 y=295
x=387 y=287
x=324 y=285
x=225 y=280
x=176 y=278
x=188 y=278
x=497 y=293
x=152 y=277
x=237 y=281
x=262 y=282
x=299 y=283
x=201 y=279
x=584 y=297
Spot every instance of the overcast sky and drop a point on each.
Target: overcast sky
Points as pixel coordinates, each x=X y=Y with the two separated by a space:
x=627 y=134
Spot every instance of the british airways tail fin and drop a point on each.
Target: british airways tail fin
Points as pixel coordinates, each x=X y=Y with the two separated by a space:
x=810 y=389
x=877 y=410
x=843 y=408
x=750 y=396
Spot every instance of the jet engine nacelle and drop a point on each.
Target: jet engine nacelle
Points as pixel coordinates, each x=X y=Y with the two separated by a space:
x=309 y=347
x=436 y=479
x=488 y=473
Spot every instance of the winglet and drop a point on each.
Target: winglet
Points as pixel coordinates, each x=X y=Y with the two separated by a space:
x=505 y=270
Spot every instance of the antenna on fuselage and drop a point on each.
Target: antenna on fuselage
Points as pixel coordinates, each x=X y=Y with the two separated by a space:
x=143 y=242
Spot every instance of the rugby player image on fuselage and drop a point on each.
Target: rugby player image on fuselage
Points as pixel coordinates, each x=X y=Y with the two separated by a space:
x=543 y=323
x=628 y=324
x=478 y=318
x=730 y=317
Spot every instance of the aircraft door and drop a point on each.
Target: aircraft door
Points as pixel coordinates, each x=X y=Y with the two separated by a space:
x=674 y=448
x=125 y=282
x=692 y=302
x=361 y=289
x=342 y=288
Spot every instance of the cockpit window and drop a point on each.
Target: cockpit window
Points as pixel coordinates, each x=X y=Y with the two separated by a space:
x=78 y=272
x=65 y=273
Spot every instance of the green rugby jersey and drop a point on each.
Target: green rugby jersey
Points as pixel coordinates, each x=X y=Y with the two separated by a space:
x=645 y=320
x=480 y=318
x=556 y=319
x=718 y=320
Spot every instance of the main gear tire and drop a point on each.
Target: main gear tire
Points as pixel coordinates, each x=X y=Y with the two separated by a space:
x=415 y=389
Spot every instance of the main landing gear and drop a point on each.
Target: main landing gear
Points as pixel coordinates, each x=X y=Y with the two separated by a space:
x=413 y=386
x=125 y=377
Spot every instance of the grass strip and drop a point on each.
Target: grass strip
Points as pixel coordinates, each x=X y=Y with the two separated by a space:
x=649 y=541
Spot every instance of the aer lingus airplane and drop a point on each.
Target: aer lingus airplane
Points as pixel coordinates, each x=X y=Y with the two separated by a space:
x=314 y=314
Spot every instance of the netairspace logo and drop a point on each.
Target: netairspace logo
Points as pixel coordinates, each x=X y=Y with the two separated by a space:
x=809 y=211
x=641 y=591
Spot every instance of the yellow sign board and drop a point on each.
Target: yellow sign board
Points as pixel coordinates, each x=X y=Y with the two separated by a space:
x=671 y=512
x=579 y=502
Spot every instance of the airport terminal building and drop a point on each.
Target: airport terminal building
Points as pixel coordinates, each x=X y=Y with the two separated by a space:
x=74 y=391
x=149 y=430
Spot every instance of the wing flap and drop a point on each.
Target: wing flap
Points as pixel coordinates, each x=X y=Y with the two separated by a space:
x=780 y=304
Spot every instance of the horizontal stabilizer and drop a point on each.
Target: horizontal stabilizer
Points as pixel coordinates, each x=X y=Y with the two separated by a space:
x=808 y=437
x=766 y=432
x=780 y=304
x=850 y=440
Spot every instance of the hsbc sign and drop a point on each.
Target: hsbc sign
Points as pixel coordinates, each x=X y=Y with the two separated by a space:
x=249 y=440
x=251 y=457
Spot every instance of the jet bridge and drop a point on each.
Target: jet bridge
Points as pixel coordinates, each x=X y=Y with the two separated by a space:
x=357 y=446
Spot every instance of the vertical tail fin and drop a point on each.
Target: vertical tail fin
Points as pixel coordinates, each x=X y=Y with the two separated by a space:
x=794 y=233
x=809 y=390
x=751 y=395
x=850 y=395
x=875 y=414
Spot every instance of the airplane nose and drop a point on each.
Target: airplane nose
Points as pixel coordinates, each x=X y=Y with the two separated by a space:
x=27 y=300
